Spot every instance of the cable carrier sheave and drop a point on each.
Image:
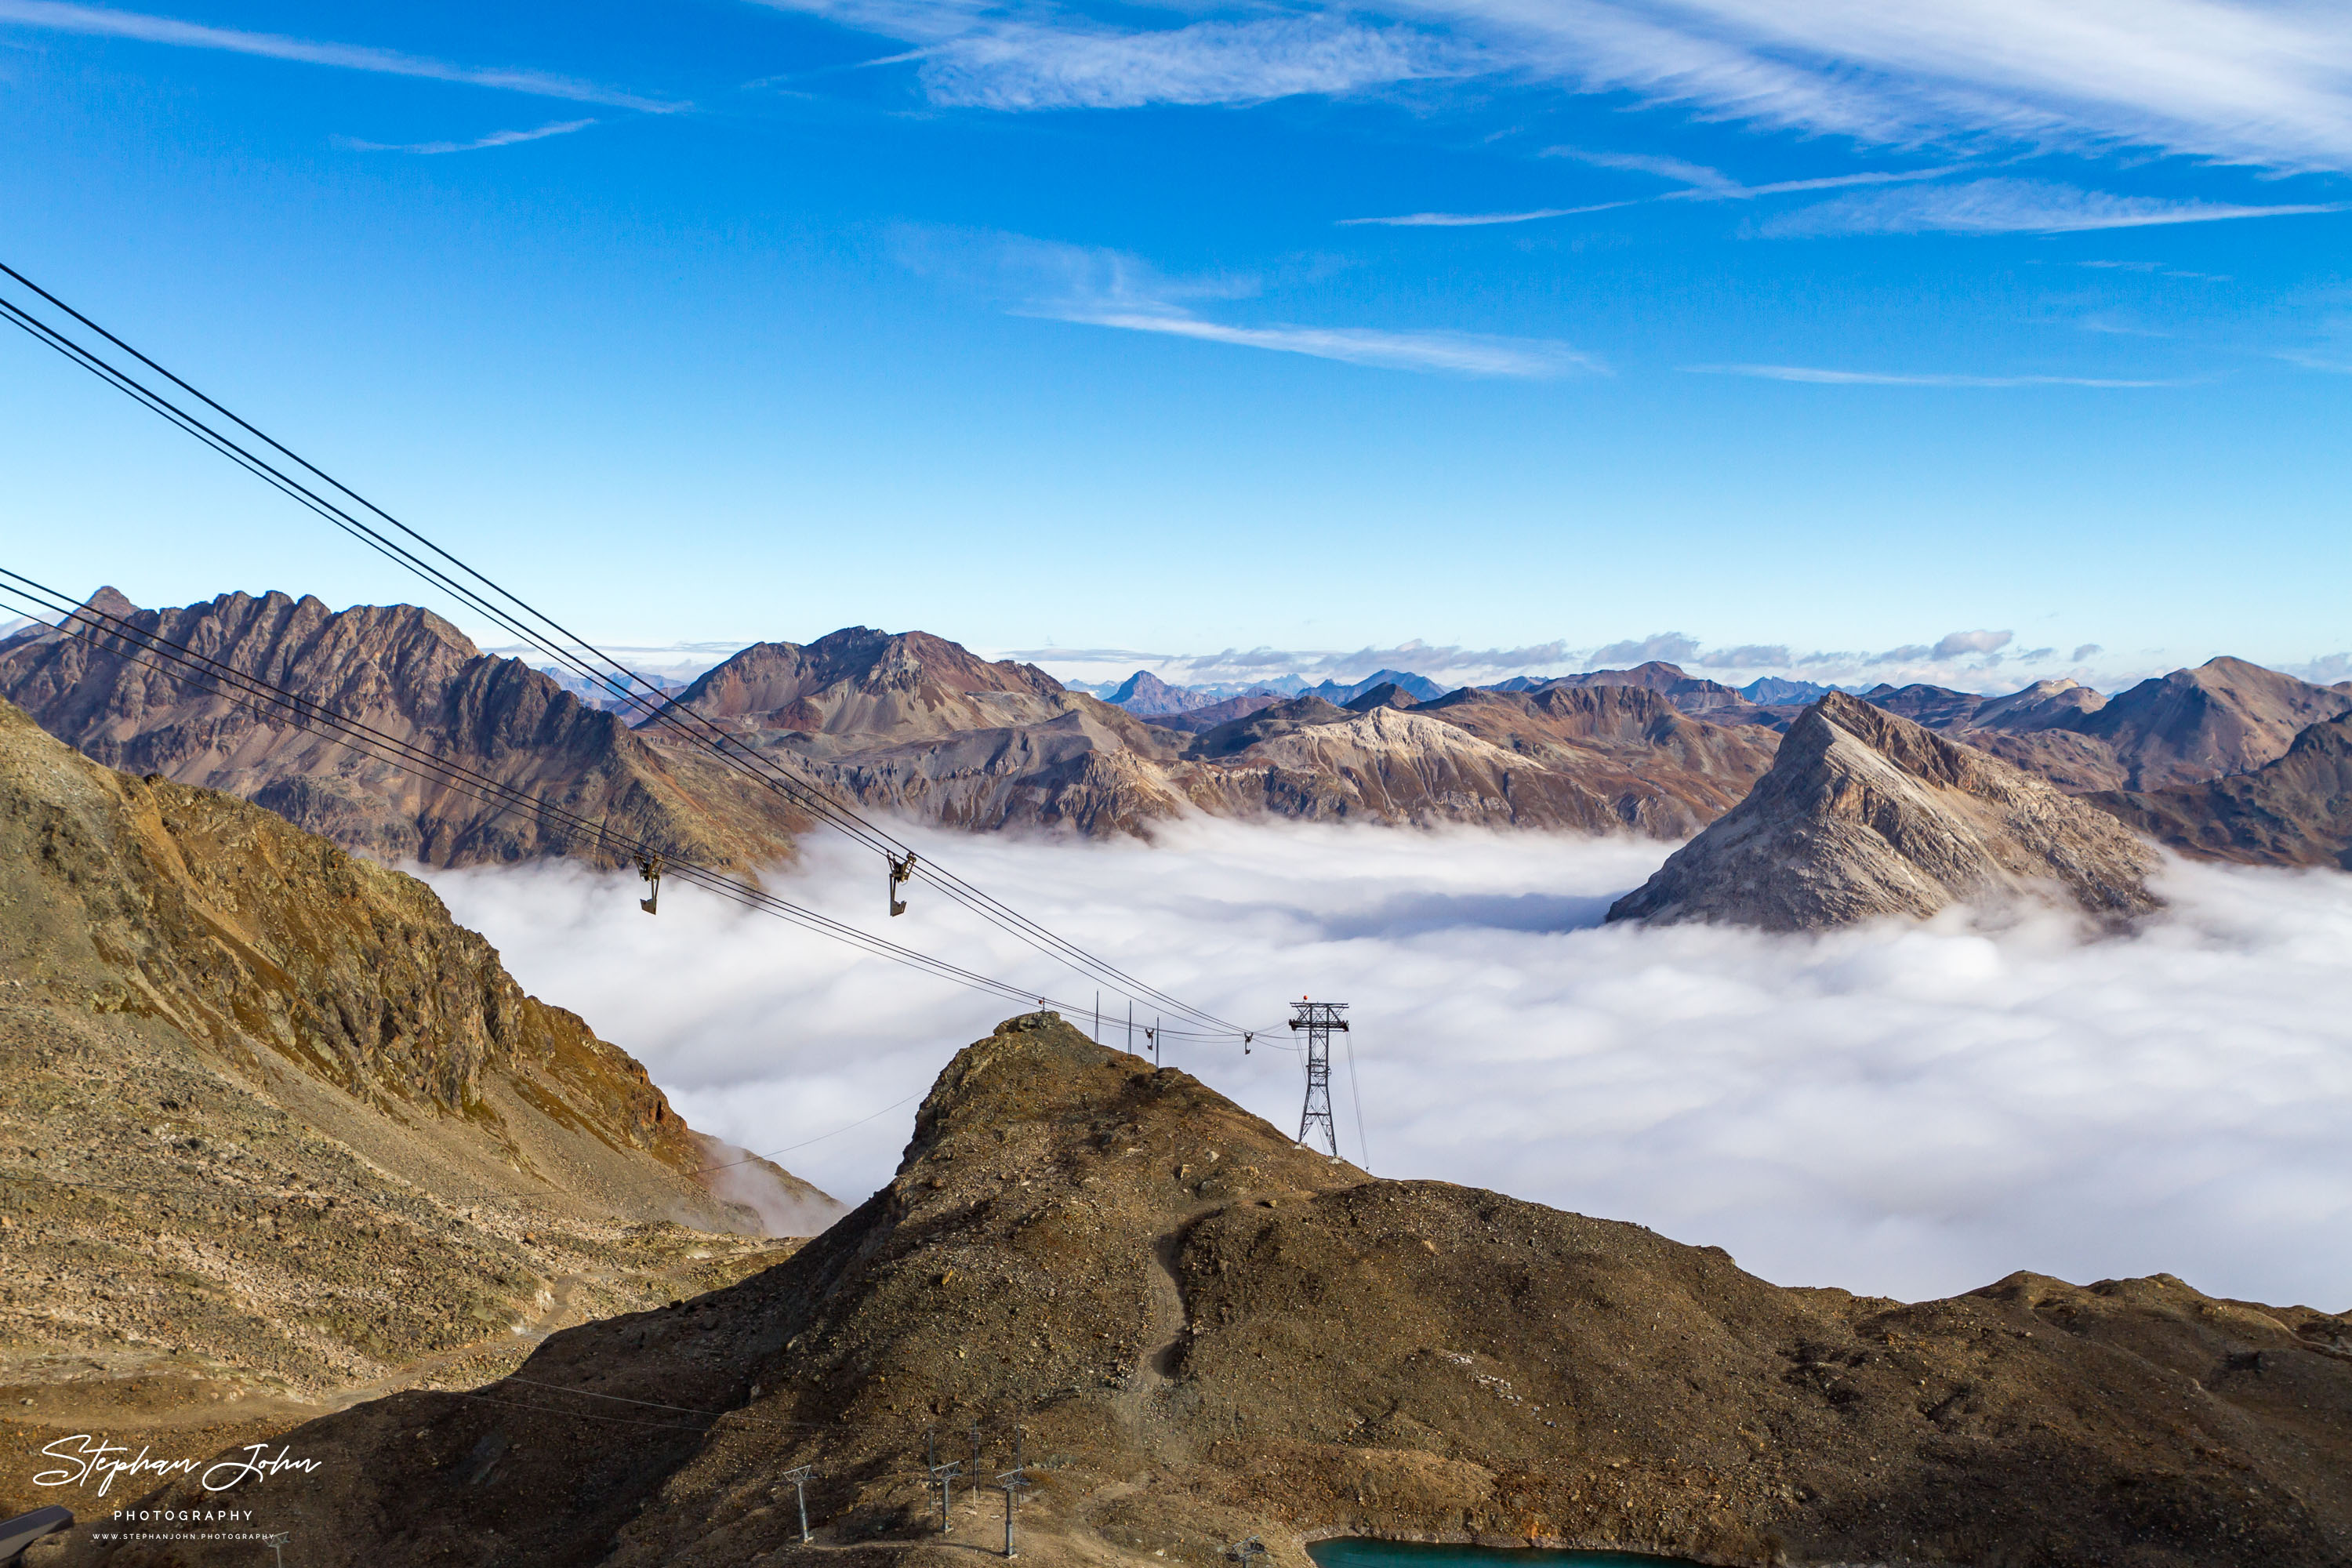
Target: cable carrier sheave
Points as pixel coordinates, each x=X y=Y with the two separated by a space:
x=111 y=360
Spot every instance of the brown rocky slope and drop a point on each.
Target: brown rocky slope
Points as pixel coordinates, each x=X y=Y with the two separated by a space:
x=1865 y=813
x=273 y=1129
x=1204 y=1331
x=407 y=672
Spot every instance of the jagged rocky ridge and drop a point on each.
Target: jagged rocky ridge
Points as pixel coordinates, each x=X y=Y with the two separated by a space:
x=1206 y=1332
x=1865 y=813
x=406 y=672
x=917 y=723
x=272 y=1125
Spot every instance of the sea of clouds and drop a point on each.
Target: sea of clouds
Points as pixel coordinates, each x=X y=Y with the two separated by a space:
x=1901 y=1109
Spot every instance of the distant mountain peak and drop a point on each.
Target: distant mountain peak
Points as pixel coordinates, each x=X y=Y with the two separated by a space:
x=1146 y=695
x=1865 y=813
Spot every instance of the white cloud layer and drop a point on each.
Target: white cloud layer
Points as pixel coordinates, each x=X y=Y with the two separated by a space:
x=55 y=17
x=1908 y=1109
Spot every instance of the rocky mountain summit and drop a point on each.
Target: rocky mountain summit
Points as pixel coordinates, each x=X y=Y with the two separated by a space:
x=1865 y=813
x=412 y=675
x=1196 y=1332
x=274 y=1129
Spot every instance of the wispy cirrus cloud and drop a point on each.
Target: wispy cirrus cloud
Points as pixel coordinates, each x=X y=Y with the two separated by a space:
x=2245 y=81
x=495 y=138
x=1700 y=184
x=1457 y=354
x=53 y=16
x=1036 y=68
x=1479 y=220
x=1100 y=288
x=1819 y=376
x=2013 y=206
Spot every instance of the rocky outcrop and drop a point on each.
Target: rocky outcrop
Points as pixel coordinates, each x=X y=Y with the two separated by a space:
x=406 y=672
x=2296 y=811
x=269 y=1120
x=1201 y=1332
x=1865 y=815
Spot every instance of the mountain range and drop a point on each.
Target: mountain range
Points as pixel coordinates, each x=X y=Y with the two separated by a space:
x=2199 y=760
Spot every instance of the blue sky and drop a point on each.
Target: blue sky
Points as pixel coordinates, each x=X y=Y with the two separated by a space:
x=1791 y=336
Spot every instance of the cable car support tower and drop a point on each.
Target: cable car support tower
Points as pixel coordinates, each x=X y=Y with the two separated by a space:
x=1319 y=1019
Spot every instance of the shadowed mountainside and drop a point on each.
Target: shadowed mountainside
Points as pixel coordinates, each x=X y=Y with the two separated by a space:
x=406 y=672
x=1867 y=814
x=1206 y=1332
x=272 y=1125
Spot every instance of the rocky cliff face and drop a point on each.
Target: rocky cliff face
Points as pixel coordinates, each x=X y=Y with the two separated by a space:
x=1865 y=815
x=406 y=672
x=271 y=1124
x=2296 y=811
x=1202 y=1332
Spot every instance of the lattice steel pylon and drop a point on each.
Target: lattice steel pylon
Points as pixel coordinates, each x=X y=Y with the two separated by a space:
x=1319 y=1019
